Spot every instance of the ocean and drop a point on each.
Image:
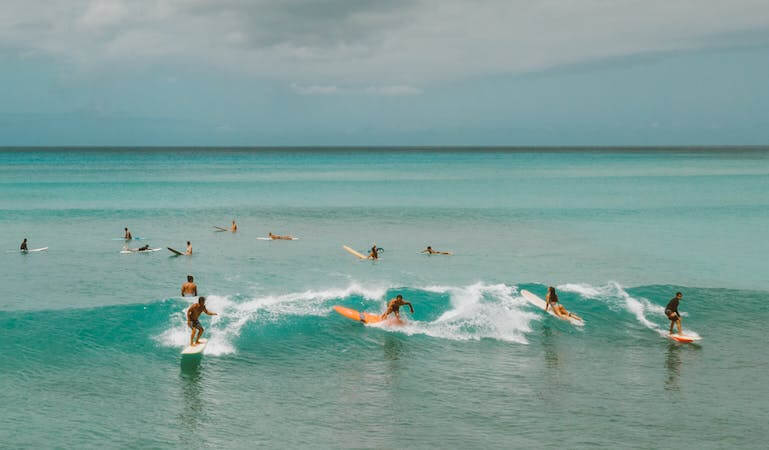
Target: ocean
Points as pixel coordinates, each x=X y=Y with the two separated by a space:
x=92 y=336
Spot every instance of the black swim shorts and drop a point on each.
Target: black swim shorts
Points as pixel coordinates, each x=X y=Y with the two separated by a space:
x=195 y=324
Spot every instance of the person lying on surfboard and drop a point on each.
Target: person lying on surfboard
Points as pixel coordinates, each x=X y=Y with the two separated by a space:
x=23 y=246
x=394 y=306
x=551 y=300
x=193 y=313
x=671 y=310
x=374 y=253
x=143 y=248
x=127 y=235
x=189 y=249
x=277 y=237
x=189 y=287
x=429 y=250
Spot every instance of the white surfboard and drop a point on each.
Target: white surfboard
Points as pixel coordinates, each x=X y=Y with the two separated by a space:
x=41 y=249
x=538 y=302
x=128 y=250
x=195 y=349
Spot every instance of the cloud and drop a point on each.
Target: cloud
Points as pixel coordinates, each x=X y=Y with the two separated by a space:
x=394 y=44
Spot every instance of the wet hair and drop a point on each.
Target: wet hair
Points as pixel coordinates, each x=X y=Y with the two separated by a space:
x=188 y=242
x=25 y=239
x=399 y=297
x=551 y=293
x=126 y=228
x=189 y=278
x=201 y=300
x=678 y=293
x=429 y=247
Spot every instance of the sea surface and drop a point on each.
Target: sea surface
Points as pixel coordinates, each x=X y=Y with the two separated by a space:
x=91 y=337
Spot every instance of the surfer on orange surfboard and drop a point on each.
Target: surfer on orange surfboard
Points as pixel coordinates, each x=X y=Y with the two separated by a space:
x=394 y=305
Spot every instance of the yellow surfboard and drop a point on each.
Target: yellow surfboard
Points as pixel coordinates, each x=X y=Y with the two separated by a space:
x=357 y=315
x=355 y=253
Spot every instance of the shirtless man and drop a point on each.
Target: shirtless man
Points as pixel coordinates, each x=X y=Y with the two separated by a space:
x=394 y=306
x=189 y=287
x=189 y=249
x=193 y=313
x=429 y=250
x=373 y=253
x=23 y=246
x=234 y=226
x=277 y=237
x=127 y=236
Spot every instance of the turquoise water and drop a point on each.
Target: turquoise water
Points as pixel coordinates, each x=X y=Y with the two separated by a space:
x=92 y=336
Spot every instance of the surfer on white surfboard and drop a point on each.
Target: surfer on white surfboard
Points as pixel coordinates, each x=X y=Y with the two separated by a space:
x=429 y=250
x=671 y=310
x=190 y=288
x=394 y=306
x=276 y=237
x=23 y=246
x=551 y=300
x=193 y=313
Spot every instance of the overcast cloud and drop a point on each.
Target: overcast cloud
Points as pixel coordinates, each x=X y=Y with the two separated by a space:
x=393 y=47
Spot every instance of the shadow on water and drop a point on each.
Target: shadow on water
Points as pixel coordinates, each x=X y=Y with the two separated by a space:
x=393 y=348
x=190 y=380
x=673 y=366
x=552 y=360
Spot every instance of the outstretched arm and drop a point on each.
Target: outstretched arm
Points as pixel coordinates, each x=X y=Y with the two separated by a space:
x=411 y=307
x=210 y=313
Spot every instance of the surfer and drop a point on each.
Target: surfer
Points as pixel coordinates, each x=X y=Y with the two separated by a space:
x=143 y=248
x=234 y=226
x=23 y=246
x=671 y=310
x=374 y=254
x=193 y=313
x=189 y=249
x=429 y=250
x=278 y=237
x=127 y=236
x=394 y=306
x=189 y=287
x=551 y=300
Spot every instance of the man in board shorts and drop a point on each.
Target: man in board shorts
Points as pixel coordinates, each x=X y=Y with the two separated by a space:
x=193 y=313
x=671 y=310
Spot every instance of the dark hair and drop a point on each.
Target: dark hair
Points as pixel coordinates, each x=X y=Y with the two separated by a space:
x=399 y=297
x=201 y=300
x=189 y=278
x=188 y=242
x=678 y=293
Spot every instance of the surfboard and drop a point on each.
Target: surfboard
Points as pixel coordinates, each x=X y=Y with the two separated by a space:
x=357 y=315
x=354 y=253
x=124 y=239
x=220 y=228
x=539 y=303
x=195 y=349
x=41 y=249
x=175 y=252
x=128 y=250
x=271 y=239
x=683 y=338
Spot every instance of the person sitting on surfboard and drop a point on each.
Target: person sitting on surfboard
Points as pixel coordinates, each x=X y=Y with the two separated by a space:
x=552 y=301
x=23 y=246
x=189 y=249
x=429 y=250
x=394 y=306
x=189 y=287
x=127 y=234
x=193 y=313
x=374 y=254
x=671 y=310
x=234 y=226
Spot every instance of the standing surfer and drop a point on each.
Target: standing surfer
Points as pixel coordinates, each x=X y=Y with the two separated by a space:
x=671 y=310
x=189 y=287
x=193 y=313
x=394 y=306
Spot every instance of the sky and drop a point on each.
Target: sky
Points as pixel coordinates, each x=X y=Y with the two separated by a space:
x=376 y=72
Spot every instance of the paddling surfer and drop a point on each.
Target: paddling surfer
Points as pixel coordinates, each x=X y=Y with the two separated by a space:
x=552 y=301
x=394 y=306
x=23 y=246
x=193 y=313
x=671 y=310
x=127 y=235
x=429 y=250
x=275 y=237
x=189 y=287
x=189 y=249
x=143 y=248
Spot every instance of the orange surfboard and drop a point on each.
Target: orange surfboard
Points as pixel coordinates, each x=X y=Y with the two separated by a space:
x=357 y=315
